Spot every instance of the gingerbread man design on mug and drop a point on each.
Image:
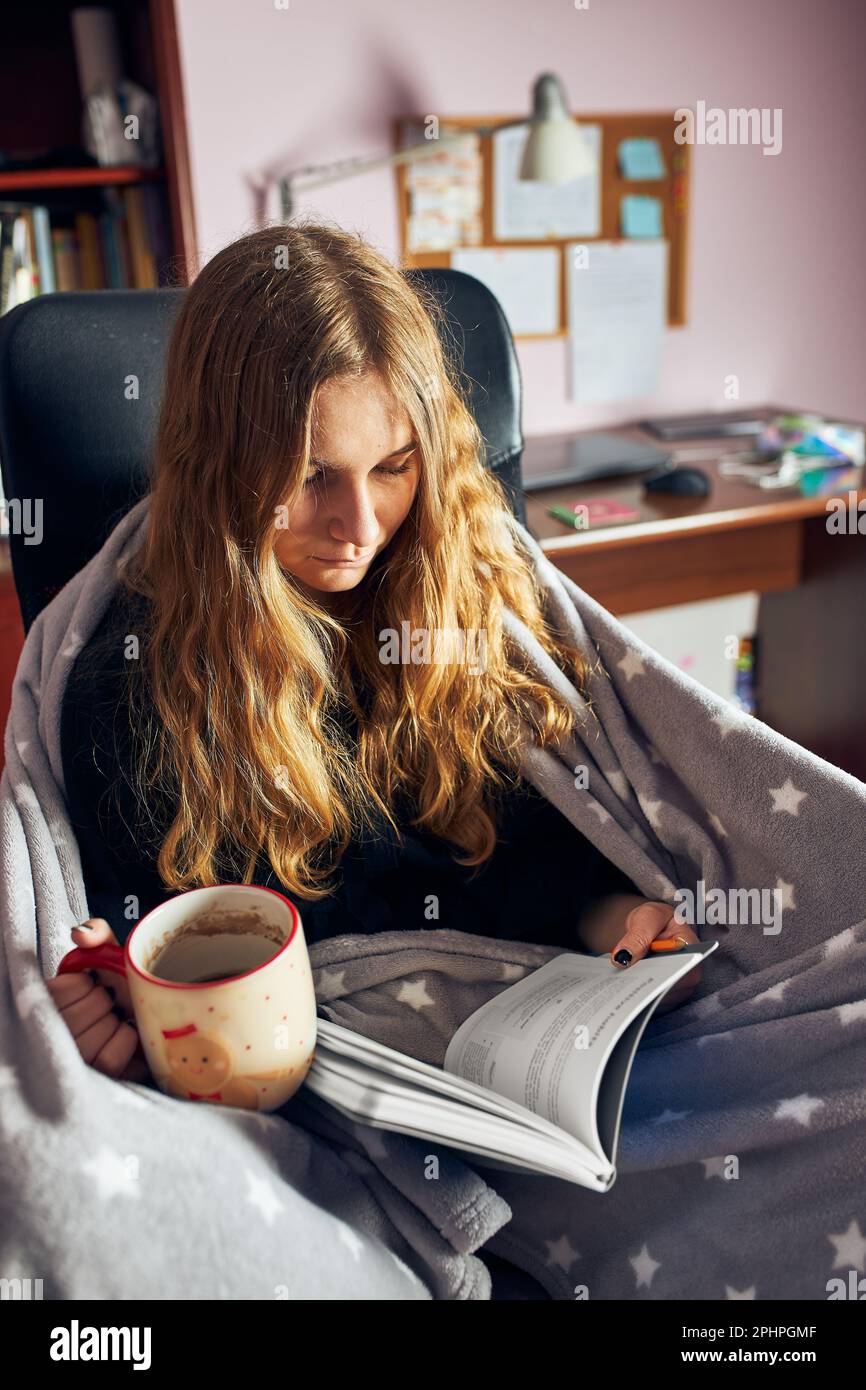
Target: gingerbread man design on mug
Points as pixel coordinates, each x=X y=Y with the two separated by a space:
x=201 y=1067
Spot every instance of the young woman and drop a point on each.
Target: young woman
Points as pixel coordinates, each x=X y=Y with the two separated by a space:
x=319 y=486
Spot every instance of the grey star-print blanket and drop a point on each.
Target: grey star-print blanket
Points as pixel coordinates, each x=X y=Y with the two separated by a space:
x=740 y=1171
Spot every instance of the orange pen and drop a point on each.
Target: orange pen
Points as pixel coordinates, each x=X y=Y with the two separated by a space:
x=668 y=943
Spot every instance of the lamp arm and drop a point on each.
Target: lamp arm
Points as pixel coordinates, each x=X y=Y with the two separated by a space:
x=318 y=175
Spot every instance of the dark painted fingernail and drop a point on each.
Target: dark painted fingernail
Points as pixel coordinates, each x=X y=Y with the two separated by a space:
x=94 y=977
x=622 y=957
x=120 y=1014
x=111 y=991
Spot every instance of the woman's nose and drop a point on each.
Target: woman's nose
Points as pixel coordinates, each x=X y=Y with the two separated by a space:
x=354 y=520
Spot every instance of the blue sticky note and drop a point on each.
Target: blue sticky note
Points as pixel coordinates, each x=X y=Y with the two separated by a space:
x=641 y=159
x=640 y=216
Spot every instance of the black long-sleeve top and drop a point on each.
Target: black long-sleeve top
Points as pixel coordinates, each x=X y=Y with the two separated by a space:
x=540 y=878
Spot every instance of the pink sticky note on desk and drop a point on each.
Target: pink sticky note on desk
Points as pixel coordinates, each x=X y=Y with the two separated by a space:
x=602 y=511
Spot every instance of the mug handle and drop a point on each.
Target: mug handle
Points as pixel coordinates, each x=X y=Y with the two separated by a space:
x=109 y=957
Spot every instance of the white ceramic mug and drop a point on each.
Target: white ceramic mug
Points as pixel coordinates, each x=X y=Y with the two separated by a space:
x=247 y=1038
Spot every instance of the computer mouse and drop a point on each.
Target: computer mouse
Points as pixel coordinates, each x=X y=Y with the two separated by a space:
x=681 y=482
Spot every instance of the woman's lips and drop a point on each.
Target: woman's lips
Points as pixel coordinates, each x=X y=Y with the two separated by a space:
x=341 y=564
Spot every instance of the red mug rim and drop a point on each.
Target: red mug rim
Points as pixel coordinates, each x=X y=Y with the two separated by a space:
x=229 y=979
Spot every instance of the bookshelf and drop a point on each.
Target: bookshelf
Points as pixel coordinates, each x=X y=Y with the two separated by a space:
x=41 y=116
x=42 y=109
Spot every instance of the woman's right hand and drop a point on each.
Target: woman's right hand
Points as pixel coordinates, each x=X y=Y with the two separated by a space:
x=106 y=1039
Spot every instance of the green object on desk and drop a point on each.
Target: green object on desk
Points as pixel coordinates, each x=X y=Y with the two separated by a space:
x=570 y=518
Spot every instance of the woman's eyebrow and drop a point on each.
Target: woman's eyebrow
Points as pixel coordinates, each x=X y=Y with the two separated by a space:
x=322 y=463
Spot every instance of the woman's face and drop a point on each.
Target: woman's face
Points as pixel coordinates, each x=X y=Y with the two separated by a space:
x=362 y=479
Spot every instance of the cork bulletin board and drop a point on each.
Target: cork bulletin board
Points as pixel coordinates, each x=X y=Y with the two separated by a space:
x=671 y=190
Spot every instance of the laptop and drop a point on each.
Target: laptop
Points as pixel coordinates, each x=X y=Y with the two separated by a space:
x=599 y=456
x=717 y=425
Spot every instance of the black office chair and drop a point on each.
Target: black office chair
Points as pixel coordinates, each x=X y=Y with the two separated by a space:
x=69 y=437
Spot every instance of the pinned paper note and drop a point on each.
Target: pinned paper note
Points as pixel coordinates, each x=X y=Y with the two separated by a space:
x=616 y=313
x=641 y=159
x=444 y=191
x=525 y=280
x=530 y=210
x=640 y=216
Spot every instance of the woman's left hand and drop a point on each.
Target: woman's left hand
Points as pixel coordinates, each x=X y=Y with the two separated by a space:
x=651 y=921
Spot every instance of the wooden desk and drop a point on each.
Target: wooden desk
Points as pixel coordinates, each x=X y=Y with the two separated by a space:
x=740 y=538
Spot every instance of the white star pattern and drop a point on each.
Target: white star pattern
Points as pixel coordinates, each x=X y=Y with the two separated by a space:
x=27 y=998
x=27 y=798
x=113 y=1174
x=599 y=811
x=666 y=888
x=619 y=782
x=403 y=1267
x=786 y=894
x=715 y=1167
x=651 y=810
x=773 y=995
x=351 y=1240
x=850 y=1248
x=631 y=665
x=562 y=1253
x=261 y=1195
x=716 y=825
x=852 y=1013
x=729 y=720
x=644 y=1267
x=713 y=1037
x=840 y=944
x=12 y=1112
x=710 y=1004
x=669 y=1116
x=639 y=836
x=787 y=798
x=735 y=1294
x=510 y=971
x=330 y=984
x=414 y=994
x=75 y=644
x=799 y=1108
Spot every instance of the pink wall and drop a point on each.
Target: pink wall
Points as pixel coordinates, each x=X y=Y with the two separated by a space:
x=777 y=243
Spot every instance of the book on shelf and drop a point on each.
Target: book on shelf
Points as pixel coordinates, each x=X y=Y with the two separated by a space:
x=125 y=246
x=534 y=1080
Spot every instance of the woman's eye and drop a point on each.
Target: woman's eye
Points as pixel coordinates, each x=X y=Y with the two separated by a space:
x=404 y=468
x=380 y=468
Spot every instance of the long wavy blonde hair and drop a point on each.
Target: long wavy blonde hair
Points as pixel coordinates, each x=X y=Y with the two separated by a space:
x=248 y=674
